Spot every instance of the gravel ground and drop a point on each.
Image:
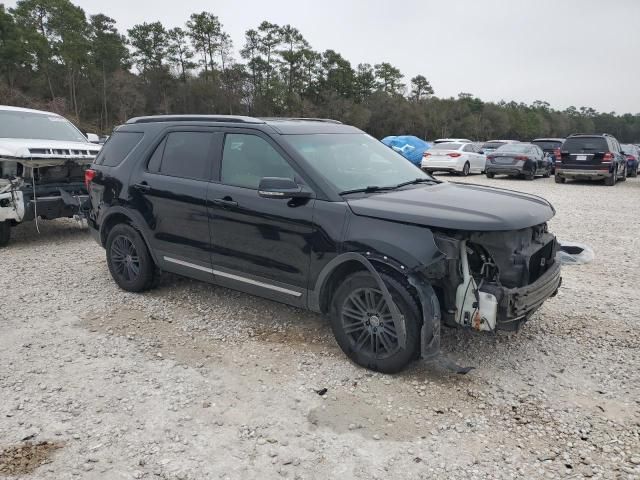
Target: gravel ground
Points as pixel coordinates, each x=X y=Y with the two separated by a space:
x=191 y=381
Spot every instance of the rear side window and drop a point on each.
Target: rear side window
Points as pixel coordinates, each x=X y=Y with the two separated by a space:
x=119 y=145
x=585 y=145
x=183 y=154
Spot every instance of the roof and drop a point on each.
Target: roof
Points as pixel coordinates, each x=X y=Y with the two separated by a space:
x=7 y=108
x=289 y=126
x=548 y=140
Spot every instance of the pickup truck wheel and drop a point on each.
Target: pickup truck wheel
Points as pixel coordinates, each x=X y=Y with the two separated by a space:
x=128 y=259
x=363 y=326
x=5 y=233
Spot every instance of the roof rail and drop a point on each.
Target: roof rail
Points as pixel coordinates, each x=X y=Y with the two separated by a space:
x=590 y=134
x=195 y=118
x=300 y=119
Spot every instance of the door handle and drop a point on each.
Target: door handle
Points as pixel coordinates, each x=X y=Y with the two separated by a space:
x=143 y=187
x=224 y=202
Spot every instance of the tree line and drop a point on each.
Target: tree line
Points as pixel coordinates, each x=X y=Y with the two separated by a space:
x=55 y=57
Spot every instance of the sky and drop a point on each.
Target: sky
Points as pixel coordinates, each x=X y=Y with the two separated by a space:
x=566 y=52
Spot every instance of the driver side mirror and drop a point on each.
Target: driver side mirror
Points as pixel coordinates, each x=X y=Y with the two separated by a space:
x=277 y=187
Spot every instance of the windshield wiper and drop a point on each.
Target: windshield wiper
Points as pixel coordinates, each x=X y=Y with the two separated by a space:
x=415 y=182
x=374 y=188
x=369 y=189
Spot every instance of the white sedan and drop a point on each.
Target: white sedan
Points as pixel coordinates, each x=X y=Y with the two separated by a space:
x=462 y=158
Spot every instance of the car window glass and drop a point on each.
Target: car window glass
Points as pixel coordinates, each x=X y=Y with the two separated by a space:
x=586 y=145
x=246 y=159
x=468 y=148
x=156 y=158
x=186 y=155
x=117 y=148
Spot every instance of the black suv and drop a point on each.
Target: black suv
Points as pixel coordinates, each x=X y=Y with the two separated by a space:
x=320 y=215
x=591 y=157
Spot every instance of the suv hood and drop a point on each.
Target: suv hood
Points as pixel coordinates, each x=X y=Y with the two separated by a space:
x=29 y=148
x=40 y=153
x=457 y=207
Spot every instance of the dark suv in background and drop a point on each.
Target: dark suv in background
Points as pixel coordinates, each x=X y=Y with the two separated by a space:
x=321 y=216
x=551 y=147
x=591 y=157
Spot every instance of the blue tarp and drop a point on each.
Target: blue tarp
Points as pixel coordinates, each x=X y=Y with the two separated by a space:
x=408 y=146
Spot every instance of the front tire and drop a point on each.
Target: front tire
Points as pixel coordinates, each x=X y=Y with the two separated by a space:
x=363 y=326
x=5 y=233
x=128 y=258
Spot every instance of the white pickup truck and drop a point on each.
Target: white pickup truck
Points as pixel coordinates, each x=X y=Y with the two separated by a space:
x=43 y=157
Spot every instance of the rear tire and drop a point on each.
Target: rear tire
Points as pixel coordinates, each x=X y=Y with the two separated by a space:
x=362 y=324
x=634 y=173
x=128 y=258
x=530 y=175
x=5 y=233
x=560 y=179
x=490 y=175
x=624 y=176
x=466 y=169
x=611 y=181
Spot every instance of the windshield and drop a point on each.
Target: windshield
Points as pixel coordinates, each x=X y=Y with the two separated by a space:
x=547 y=145
x=446 y=146
x=16 y=124
x=354 y=161
x=514 y=147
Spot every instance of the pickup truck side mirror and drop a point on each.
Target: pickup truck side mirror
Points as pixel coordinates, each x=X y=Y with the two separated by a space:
x=277 y=187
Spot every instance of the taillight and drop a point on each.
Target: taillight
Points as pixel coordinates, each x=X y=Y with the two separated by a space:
x=426 y=154
x=631 y=157
x=608 y=157
x=89 y=175
x=558 y=154
x=454 y=155
x=521 y=157
x=490 y=158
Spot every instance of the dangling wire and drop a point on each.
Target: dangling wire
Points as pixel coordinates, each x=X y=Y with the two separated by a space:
x=35 y=199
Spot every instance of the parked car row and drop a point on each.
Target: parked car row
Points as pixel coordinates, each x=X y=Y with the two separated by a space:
x=579 y=156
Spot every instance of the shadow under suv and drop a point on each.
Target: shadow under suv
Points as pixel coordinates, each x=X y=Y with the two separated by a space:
x=320 y=215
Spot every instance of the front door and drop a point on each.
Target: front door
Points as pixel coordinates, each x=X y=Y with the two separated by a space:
x=259 y=245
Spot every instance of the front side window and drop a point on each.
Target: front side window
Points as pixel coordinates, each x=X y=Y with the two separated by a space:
x=354 y=161
x=184 y=154
x=246 y=159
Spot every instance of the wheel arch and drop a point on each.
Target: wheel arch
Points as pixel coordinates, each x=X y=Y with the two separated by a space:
x=118 y=215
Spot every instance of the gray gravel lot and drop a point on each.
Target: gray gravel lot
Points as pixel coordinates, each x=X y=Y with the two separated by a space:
x=191 y=381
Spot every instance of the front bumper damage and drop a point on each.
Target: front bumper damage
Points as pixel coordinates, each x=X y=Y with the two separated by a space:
x=516 y=305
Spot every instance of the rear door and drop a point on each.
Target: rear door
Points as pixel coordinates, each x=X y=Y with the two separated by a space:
x=584 y=153
x=170 y=192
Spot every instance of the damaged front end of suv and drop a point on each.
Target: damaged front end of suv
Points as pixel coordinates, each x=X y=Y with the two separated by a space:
x=496 y=280
x=43 y=159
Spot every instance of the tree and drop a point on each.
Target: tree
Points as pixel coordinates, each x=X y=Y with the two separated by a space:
x=179 y=52
x=420 y=87
x=108 y=53
x=389 y=79
x=13 y=54
x=205 y=31
x=150 y=44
